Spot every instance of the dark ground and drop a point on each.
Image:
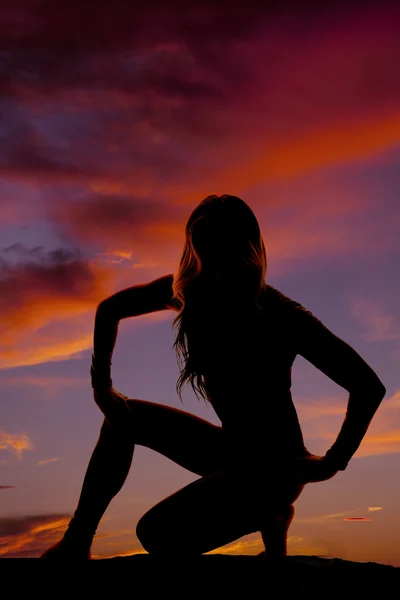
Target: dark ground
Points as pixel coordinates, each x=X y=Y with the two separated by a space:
x=219 y=576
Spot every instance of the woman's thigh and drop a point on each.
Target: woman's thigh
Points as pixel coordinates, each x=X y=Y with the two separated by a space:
x=186 y=439
x=215 y=510
x=204 y=515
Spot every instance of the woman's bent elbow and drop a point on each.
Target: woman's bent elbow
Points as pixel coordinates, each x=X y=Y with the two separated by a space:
x=373 y=387
x=378 y=388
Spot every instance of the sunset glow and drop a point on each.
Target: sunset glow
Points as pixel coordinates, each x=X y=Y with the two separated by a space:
x=111 y=133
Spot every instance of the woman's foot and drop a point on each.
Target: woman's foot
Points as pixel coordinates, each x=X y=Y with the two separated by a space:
x=63 y=550
x=75 y=544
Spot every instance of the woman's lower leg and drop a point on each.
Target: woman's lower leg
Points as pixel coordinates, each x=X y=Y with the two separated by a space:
x=105 y=475
x=274 y=533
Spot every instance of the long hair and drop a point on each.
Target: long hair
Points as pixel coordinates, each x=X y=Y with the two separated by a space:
x=223 y=266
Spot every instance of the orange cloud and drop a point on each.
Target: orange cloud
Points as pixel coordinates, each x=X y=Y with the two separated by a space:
x=42 y=352
x=45 y=461
x=374 y=508
x=119 y=218
x=330 y=518
x=253 y=545
x=16 y=443
x=383 y=435
x=247 y=545
x=213 y=127
x=327 y=147
x=54 y=330
x=112 y=543
x=326 y=407
x=387 y=442
x=321 y=423
x=357 y=519
x=114 y=554
x=65 y=291
x=50 y=385
x=61 y=287
x=24 y=537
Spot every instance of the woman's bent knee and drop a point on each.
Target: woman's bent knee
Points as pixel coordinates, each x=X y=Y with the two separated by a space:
x=160 y=533
x=151 y=537
x=142 y=533
x=118 y=433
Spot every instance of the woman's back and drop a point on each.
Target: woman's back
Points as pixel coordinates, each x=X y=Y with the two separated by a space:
x=246 y=358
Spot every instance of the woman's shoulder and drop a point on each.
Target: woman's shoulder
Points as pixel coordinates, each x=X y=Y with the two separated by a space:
x=277 y=298
x=280 y=303
x=296 y=316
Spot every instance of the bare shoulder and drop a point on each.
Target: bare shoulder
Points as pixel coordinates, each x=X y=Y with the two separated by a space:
x=142 y=298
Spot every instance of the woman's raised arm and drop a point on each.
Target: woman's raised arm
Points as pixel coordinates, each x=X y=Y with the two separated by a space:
x=130 y=302
x=139 y=299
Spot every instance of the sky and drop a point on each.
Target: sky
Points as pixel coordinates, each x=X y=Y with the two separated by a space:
x=115 y=123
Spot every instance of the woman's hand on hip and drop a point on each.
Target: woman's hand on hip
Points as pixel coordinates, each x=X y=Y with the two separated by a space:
x=311 y=469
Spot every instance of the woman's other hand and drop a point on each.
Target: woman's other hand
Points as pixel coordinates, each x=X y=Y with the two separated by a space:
x=312 y=468
x=113 y=405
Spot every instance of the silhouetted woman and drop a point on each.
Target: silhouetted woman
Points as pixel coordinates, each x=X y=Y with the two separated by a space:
x=237 y=338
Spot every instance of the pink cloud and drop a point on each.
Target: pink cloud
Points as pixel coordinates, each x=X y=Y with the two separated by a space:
x=378 y=323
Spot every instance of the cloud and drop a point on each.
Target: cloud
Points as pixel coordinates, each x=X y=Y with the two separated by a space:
x=329 y=518
x=16 y=443
x=33 y=275
x=29 y=536
x=45 y=461
x=321 y=423
x=110 y=545
x=386 y=442
x=375 y=318
x=339 y=516
x=330 y=406
x=120 y=222
x=42 y=294
x=113 y=134
x=131 y=552
x=7 y=487
x=374 y=508
x=253 y=545
x=383 y=435
x=51 y=385
x=247 y=545
x=147 y=94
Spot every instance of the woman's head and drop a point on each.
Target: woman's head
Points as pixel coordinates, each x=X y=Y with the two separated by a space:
x=223 y=257
x=222 y=240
